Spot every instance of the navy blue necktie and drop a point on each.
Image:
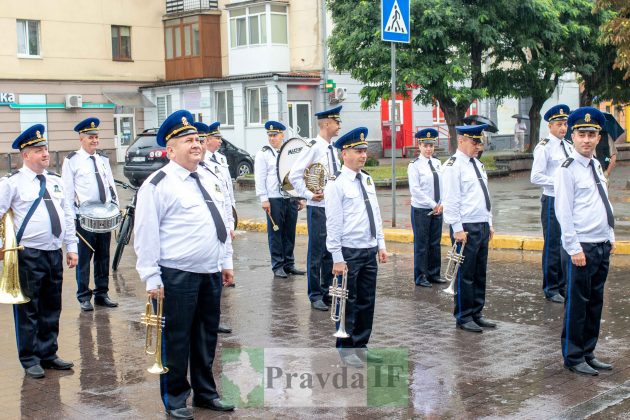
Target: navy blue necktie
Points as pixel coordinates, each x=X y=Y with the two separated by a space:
x=483 y=185
x=216 y=216
x=55 y=223
x=436 y=183
x=334 y=161
x=368 y=207
x=602 y=193
x=101 y=186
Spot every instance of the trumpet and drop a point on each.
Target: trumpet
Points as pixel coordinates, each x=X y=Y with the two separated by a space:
x=454 y=259
x=339 y=293
x=10 y=289
x=154 y=322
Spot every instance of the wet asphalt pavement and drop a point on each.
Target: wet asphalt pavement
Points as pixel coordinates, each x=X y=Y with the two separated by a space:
x=514 y=371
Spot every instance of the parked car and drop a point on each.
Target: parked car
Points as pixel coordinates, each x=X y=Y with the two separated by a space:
x=144 y=156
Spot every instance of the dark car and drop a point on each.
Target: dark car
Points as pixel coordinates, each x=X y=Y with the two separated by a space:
x=145 y=156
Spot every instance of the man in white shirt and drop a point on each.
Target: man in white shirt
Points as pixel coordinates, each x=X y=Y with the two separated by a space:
x=88 y=178
x=185 y=253
x=217 y=162
x=426 y=210
x=354 y=237
x=548 y=156
x=519 y=134
x=281 y=209
x=587 y=223
x=43 y=221
x=468 y=211
x=320 y=151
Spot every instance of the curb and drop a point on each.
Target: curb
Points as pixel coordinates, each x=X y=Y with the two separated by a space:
x=522 y=243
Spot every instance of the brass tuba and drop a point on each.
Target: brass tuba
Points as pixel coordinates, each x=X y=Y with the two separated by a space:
x=155 y=325
x=454 y=259
x=10 y=289
x=339 y=293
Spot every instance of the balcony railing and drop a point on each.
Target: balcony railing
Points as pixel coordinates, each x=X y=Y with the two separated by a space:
x=176 y=6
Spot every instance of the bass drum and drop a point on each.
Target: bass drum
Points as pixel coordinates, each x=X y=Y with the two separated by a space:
x=289 y=153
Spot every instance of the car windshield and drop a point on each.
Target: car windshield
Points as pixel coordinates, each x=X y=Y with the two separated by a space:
x=144 y=141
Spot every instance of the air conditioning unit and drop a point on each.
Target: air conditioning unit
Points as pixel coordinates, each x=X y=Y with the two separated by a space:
x=74 y=101
x=338 y=95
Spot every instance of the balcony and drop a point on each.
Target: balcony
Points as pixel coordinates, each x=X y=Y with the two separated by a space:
x=179 y=6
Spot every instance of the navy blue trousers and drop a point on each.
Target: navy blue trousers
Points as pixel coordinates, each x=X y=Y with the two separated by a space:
x=37 y=322
x=284 y=212
x=362 y=271
x=584 y=302
x=318 y=261
x=192 y=308
x=427 y=233
x=553 y=281
x=471 y=278
x=100 y=242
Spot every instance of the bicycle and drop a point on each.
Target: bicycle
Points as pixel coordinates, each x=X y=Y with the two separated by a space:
x=123 y=234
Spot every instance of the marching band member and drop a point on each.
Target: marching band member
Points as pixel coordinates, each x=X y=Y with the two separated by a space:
x=280 y=208
x=426 y=210
x=548 y=156
x=185 y=251
x=586 y=220
x=319 y=261
x=87 y=178
x=44 y=220
x=354 y=237
x=467 y=210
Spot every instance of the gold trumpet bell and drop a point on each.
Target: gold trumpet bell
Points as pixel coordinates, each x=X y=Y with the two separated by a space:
x=10 y=289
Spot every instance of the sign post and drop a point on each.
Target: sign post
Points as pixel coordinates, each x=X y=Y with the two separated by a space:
x=394 y=28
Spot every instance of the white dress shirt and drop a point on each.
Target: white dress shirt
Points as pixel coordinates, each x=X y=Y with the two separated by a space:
x=79 y=179
x=317 y=153
x=219 y=165
x=266 y=174
x=347 y=221
x=548 y=156
x=19 y=191
x=174 y=227
x=421 y=182
x=463 y=198
x=579 y=207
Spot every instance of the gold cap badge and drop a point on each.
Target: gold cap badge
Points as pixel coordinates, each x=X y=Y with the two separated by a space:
x=93 y=125
x=184 y=121
x=587 y=118
x=38 y=134
x=362 y=137
x=429 y=135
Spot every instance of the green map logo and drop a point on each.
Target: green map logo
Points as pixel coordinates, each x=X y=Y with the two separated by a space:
x=242 y=376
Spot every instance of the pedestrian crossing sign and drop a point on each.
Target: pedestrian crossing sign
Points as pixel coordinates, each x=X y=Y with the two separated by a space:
x=395 y=20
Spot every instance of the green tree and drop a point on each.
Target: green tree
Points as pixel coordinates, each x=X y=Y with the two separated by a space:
x=617 y=31
x=451 y=42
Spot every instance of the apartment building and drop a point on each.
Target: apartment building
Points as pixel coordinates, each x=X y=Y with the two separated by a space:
x=62 y=61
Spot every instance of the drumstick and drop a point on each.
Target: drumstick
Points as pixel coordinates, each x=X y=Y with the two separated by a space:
x=273 y=224
x=85 y=242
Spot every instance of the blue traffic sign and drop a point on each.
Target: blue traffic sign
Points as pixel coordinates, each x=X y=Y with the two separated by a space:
x=395 y=20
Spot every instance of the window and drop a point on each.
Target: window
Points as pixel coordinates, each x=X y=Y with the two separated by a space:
x=257 y=105
x=29 y=117
x=28 y=38
x=121 y=43
x=225 y=107
x=186 y=29
x=164 y=108
x=248 y=25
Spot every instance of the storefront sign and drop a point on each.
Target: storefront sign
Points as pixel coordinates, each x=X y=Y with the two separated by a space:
x=7 y=97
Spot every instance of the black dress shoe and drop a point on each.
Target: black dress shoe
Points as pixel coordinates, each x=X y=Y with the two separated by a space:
x=598 y=364
x=280 y=273
x=224 y=330
x=180 y=413
x=557 y=298
x=482 y=322
x=421 y=281
x=319 y=305
x=470 y=326
x=583 y=369
x=86 y=306
x=35 y=372
x=105 y=301
x=352 y=360
x=293 y=270
x=216 y=405
x=56 y=364
x=438 y=280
